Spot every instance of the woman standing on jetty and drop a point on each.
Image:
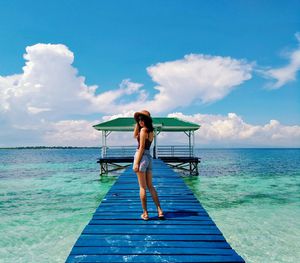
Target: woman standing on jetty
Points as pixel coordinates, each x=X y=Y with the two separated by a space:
x=142 y=164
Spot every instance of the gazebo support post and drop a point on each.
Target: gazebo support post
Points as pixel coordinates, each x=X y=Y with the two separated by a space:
x=191 y=142
x=155 y=144
x=104 y=143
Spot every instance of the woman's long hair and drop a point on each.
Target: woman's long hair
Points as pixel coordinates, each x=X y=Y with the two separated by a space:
x=148 y=123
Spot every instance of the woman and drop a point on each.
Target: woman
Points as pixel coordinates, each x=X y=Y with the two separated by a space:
x=142 y=164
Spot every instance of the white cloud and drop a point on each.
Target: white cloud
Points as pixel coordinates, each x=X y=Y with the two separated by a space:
x=180 y=83
x=50 y=90
x=287 y=73
x=107 y=102
x=48 y=84
x=50 y=87
x=120 y=115
x=196 y=77
x=233 y=131
x=36 y=105
x=72 y=133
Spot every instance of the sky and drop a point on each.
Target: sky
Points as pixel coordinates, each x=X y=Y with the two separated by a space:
x=230 y=66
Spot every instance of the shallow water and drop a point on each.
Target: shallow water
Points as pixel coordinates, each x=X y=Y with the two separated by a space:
x=47 y=196
x=253 y=195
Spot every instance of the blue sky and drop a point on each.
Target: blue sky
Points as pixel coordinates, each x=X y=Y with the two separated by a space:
x=146 y=43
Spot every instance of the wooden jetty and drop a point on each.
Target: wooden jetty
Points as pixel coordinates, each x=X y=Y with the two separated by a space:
x=116 y=233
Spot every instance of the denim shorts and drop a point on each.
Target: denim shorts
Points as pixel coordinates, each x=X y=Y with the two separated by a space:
x=146 y=161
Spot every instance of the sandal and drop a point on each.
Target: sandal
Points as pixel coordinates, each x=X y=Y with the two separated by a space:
x=144 y=217
x=161 y=216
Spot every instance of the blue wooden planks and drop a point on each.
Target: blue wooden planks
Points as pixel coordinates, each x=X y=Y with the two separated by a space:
x=92 y=242
x=117 y=234
x=154 y=258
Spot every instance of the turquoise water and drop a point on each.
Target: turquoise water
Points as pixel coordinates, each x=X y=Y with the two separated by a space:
x=253 y=195
x=47 y=196
x=46 y=199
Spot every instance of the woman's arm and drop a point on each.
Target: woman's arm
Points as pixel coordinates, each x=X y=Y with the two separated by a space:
x=141 y=150
x=136 y=130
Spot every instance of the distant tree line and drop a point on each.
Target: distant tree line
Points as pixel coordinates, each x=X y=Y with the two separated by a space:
x=50 y=147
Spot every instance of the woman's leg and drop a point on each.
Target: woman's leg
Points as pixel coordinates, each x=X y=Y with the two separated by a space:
x=143 y=186
x=153 y=192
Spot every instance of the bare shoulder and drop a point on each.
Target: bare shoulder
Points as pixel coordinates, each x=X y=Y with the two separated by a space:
x=144 y=130
x=143 y=133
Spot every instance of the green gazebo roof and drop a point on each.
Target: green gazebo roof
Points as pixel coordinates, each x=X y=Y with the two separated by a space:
x=161 y=124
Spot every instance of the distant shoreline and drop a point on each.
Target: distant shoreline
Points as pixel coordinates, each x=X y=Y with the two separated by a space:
x=99 y=147
x=49 y=147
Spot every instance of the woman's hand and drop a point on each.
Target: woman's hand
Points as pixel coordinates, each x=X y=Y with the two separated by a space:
x=135 y=167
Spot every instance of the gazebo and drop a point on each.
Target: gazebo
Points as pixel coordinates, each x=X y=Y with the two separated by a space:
x=178 y=156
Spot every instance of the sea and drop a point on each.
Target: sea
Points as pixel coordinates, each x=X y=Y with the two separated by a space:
x=47 y=196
